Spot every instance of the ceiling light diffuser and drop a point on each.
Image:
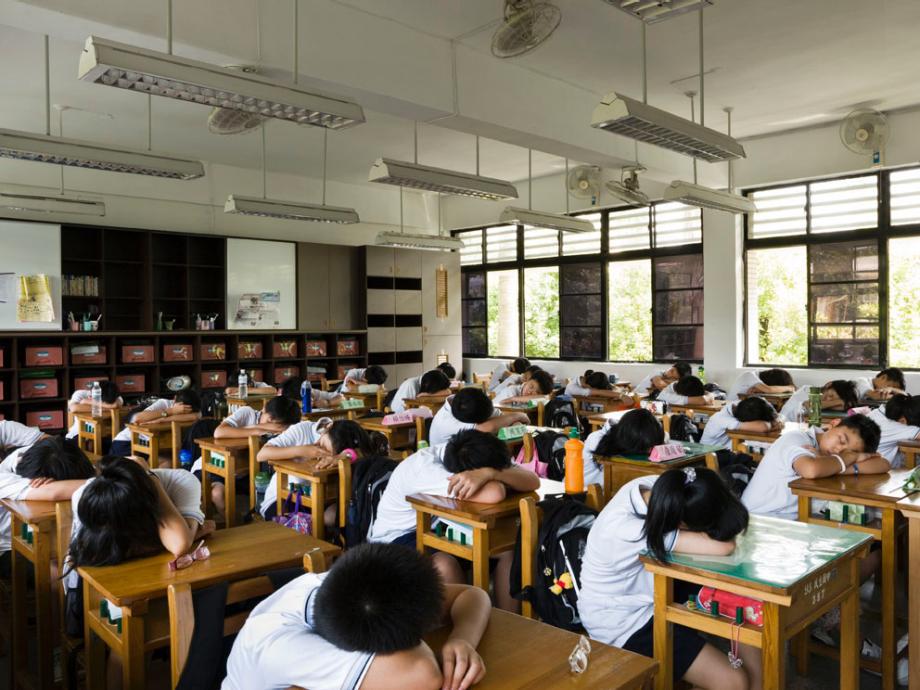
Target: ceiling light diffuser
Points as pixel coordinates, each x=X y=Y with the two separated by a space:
x=290 y=210
x=542 y=219
x=653 y=11
x=428 y=179
x=435 y=243
x=706 y=197
x=43 y=203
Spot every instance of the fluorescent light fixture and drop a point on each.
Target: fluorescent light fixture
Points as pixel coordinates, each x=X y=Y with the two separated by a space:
x=542 y=219
x=706 y=197
x=620 y=114
x=28 y=146
x=160 y=74
x=42 y=203
x=433 y=243
x=633 y=197
x=653 y=11
x=290 y=210
x=428 y=179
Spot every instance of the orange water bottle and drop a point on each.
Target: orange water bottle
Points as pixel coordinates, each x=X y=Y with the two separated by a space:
x=574 y=464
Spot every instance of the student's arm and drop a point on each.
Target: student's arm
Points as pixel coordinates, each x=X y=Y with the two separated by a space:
x=487 y=485
x=411 y=668
x=883 y=393
x=702 y=544
x=660 y=383
x=438 y=394
x=493 y=424
x=764 y=388
x=604 y=393
x=176 y=532
x=178 y=410
x=816 y=467
x=291 y=452
x=50 y=490
x=469 y=609
x=186 y=417
x=696 y=400
x=869 y=463
x=521 y=399
x=229 y=431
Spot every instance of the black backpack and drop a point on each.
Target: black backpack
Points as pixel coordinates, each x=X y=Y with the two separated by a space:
x=203 y=428
x=683 y=429
x=369 y=478
x=550 y=448
x=560 y=413
x=736 y=469
x=561 y=545
x=212 y=403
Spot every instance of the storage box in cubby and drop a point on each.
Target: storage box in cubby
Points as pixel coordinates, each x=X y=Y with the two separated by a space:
x=249 y=349
x=213 y=351
x=316 y=348
x=213 y=379
x=46 y=419
x=2 y=391
x=347 y=347
x=256 y=374
x=285 y=348
x=131 y=383
x=88 y=353
x=82 y=382
x=44 y=356
x=282 y=374
x=177 y=352
x=38 y=388
x=137 y=354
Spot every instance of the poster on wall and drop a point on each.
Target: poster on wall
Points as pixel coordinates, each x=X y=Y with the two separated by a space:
x=30 y=276
x=261 y=285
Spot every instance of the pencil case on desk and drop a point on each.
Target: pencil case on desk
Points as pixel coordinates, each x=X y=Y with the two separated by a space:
x=666 y=451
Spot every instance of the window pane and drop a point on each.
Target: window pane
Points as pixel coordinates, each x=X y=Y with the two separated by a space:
x=779 y=212
x=501 y=243
x=541 y=305
x=630 y=311
x=471 y=254
x=905 y=197
x=679 y=307
x=777 y=306
x=845 y=261
x=473 y=285
x=847 y=204
x=540 y=243
x=474 y=341
x=580 y=279
x=844 y=303
x=581 y=310
x=676 y=223
x=678 y=343
x=504 y=312
x=679 y=272
x=629 y=229
x=845 y=345
x=586 y=343
x=474 y=312
x=583 y=242
x=903 y=304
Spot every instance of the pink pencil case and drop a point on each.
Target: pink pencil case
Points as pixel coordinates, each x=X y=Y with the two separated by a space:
x=667 y=451
x=407 y=416
x=858 y=410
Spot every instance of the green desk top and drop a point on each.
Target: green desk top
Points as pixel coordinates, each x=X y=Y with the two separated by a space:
x=833 y=414
x=694 y=450
x=778 y=553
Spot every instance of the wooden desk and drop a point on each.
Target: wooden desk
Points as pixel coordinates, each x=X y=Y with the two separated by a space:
x=92 y=431
x=799 y=571
x=40 y=517
x=525 y=654
x=233 y=454
x=585 y=404
x=254 y=400
x=432 y=403
x=882 y=492
x=620 y=469
x=775 y=399
x=333 y=413
x=534 y=413
x=599 y=421
x=318 y=481
x=910 y=449
x=910 y=509
x=399 y=436
x=373 y=401
x=139 y=588
x=704 y=412
x=147 y=440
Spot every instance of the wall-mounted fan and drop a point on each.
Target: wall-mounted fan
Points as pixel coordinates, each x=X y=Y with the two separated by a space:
x=865 y=131
x=231 y=121
x=584 y=182
x=526 y=25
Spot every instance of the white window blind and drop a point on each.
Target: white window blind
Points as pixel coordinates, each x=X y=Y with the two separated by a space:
x=540 y=243
x=501 y=243
x=677 y=223
x=471 y=253
x=780 y=212
x=848 y=204
x=583 y=242
x=629 y=230
x=905 y=197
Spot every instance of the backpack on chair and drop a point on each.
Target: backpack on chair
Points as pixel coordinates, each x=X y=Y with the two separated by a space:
x=549 y=448
x=369 y=478
x=559 y=413
x=683 y=429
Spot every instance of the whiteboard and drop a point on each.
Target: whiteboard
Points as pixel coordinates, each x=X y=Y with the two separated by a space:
x=261 y=285
x=28 y=249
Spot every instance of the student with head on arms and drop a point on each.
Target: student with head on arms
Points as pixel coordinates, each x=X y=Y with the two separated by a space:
x=15 y=435
x=257 y=387
x=516 y=367
x=360 y=625
x=516 y=379
x=431 y=384
x=539 y=385
x=766 y=381
x=882 y=386
x=688 y=390
x=470 y=408
x=291 y=388
x=82 y=401
x=374 y=374
x=472 y=466
x=898 y=420
x=752 y=414
x=185 y=407
x=837 y=395
x=688 y=511
x=636 y=433
x=593 y=383
x=664 y=378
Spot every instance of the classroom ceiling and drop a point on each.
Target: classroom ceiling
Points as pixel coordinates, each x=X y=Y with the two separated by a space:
x=782 y=64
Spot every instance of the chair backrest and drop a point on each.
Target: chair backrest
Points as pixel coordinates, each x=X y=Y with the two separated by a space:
x=63 y=527
x=483 y=378
x=422 y=428
x=182 y=610
x=666 y=422
x=255 y=445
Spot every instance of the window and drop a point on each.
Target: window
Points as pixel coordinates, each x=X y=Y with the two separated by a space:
x=540 y=243
x=541 y=312
x=583 y=242
x=904 y=301
x=679 y=307
x=905 y=197
x=501 y=244
x=630 y=311
x=581 y=311
x=677 y=224
x=473 y=305
x=777 y=306
x=630 y=230
x=503 y=314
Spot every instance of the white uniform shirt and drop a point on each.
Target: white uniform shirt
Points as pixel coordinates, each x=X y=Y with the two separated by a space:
x=863 y=386
x=893 y=433
x=593 y=472
x=500 y=369
x=83 y=395
x=14 y=487
x=768 y=492
x=646 y=383
x=278 y=648
x=795 y=405
x=714 y=433
x=617 y=592
x=421 y=473
x=407 y=389
x=16 y=435
x=301 y=434
x=575 y=387
x=159 y=405
x=352 y=375
x=669 y=395
x=444 y=425
x=512 y=380
x=743 y=384
x=506 y=392
x=240 y=419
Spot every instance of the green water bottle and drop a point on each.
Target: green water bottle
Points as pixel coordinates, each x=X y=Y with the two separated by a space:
x=814 y=406
x=422 y=444
x=701 y=374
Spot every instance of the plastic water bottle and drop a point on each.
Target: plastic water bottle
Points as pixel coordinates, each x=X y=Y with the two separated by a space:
x=421 y=445
x=574 y=464
x=701 y=374
x=242 y=385
x=306 y=397
x=185 y=459
x=96 y=396
x=814 y=406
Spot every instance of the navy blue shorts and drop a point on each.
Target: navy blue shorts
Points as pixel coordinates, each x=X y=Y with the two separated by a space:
x=120 y=448
x=407 y=539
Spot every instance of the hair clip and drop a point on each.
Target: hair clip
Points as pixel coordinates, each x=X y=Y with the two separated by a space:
x=578 y=659
x=691 y=475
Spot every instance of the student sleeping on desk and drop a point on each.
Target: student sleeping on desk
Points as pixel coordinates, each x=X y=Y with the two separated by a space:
x=185 y=407
x=539 y=385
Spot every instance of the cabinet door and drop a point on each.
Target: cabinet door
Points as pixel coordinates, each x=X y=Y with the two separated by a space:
x=346 y=282
x=380 y=261
x=408 y=263
x=313 y=286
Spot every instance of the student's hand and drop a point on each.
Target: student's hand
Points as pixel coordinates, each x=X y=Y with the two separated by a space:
x=328 y=463
x=466 y=484
x=461 y=665
x=205 y=528
x=39 y=481
x=521 y=417
x=709 y=398
x=140 y=461
x=271 y=428
x=851 y=457
x=179 y=408
x=777 y=424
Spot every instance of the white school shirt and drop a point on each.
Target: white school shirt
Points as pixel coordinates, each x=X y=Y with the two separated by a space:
x=500 y=368
x=593 y=472
x=512 y=380
x=646 y=383
x=407 y=389
x=14 y=487
x=795 y=405
x=421 y=473
x=81 y=396
x=240 y=419
x=321 y=397
x=863 y=386
x=354 y=375
x=669 y=395
x=16 y=435
x=743 y=384
x=617 y=592
x=159 y=405
x=893 y=433
x=714 y=433
x=768 y=492
x=575 y=388
x=300 y=434
x=278 y=647
x=444 y=425
x=505 y=392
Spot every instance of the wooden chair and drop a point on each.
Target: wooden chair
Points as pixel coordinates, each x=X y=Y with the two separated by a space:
x=484 y=379
x=70 y=646
x=255 y=445
x=422 y=429
x=531 y=516
x=182 y=610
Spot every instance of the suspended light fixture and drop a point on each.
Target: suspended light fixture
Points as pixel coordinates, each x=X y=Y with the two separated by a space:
x=654 y=11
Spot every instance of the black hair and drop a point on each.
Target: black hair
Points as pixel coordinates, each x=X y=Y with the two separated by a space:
x=754 y=409
x=545 y=380
x=375 y=374
x=120 y=515
x=189 y=396
x=901 y=405
x=895 y=375
x=346 y=433
x=846 y=390
x=448 y=370
x=379 y=599
x=637 y=432
x=690 y=386
x=533 y=369
x=290 y=388
x=433 y=381
x=705 y=504
x=54 y=458
x=471 y=449
x=868 y=430
x=109 y=392
x=597 y=379
x=776 y=377
x=283 y=410
x=519 y=365
x=471 y=406
x=682 y=368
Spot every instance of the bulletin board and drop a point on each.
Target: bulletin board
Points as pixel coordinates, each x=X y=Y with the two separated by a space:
x=261 y=285
x=29 y=249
